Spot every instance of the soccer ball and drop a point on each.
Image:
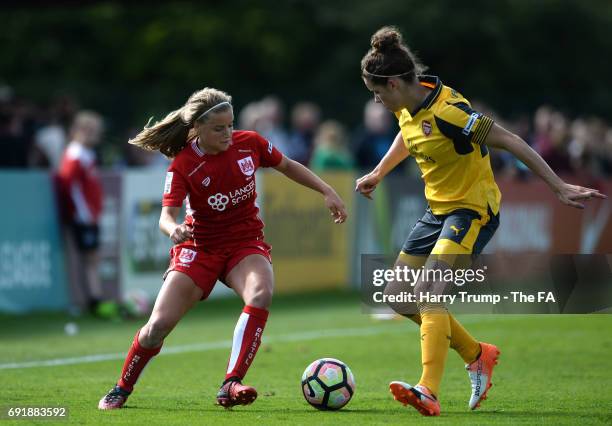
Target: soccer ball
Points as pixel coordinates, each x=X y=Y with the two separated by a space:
x=328 y=384
x=136 y=304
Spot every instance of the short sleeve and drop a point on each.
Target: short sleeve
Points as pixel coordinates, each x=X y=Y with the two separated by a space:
x=459 y=122
x=175 y=188
x=269 y=156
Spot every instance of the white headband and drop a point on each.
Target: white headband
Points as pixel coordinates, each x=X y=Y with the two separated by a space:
x=387 y=76
x=212 y=108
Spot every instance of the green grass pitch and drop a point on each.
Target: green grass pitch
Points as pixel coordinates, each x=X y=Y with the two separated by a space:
x=553 y=369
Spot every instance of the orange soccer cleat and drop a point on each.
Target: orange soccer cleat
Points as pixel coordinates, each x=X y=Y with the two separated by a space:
x=480 y=372
x=418 y=396
x=235 y=393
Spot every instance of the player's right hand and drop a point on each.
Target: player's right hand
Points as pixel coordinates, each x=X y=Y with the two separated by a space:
x=182 y=233
x=365 y=185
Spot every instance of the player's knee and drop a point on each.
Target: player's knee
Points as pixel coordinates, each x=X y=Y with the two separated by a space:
x=423 y=287
x=391 y=292
x=156 y=330
x=261 y=296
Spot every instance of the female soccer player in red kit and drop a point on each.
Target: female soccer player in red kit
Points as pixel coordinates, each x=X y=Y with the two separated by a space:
x=213 y=169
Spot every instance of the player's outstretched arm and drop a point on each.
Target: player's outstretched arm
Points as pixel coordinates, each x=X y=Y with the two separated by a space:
x=302 y=175
x=571 y=195
x=178 y=233
x=397 y=153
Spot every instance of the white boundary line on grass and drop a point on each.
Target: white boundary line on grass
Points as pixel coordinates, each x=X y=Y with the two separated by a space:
x=209 y=346
x=226 y=344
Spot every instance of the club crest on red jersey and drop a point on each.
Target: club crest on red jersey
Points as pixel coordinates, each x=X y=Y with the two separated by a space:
x=247 y=166
x=426 y=125
x=187 y=255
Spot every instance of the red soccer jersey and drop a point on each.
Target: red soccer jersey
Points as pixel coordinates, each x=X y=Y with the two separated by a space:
x=220 y=189
x=79 y=185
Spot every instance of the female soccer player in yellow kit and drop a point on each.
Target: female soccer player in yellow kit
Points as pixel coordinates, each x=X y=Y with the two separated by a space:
x=450 y=143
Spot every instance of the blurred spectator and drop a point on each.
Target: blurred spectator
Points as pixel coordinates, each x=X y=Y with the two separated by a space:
x=331 y=150
x=305 y=119
x=249 y=116
x=136 y=157
x=49 y=140
x=372 y=140
x=551 y=138
x=607 y=154
x=80 y=195
x=597 y=147
x=132 y=156
x=270 y=122
x=266 y=117
x=540 y=139
x=16 y=130
x=557 y=155
x=36 y=136
x=578 y=145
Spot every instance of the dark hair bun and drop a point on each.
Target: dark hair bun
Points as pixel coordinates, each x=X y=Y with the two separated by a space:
x=387 y=38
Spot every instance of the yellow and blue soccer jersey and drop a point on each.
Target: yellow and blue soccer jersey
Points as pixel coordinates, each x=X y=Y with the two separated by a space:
x=445 y=136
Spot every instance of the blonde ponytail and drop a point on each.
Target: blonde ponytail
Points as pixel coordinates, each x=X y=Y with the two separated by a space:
x=170 y=135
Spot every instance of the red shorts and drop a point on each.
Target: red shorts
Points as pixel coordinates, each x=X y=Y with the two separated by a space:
x=205 y=267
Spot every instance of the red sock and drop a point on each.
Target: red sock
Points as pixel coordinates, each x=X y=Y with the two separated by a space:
x=136 y=360
x=247 y=337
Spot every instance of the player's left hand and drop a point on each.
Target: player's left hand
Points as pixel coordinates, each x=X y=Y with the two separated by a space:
x=335 y=205
x=572 y=194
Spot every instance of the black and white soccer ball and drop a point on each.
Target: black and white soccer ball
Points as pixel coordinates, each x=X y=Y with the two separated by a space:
x=328 y=384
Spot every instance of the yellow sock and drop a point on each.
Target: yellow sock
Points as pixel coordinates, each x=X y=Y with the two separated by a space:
x=461 y=341
x=466 y=346
x=435 y=340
